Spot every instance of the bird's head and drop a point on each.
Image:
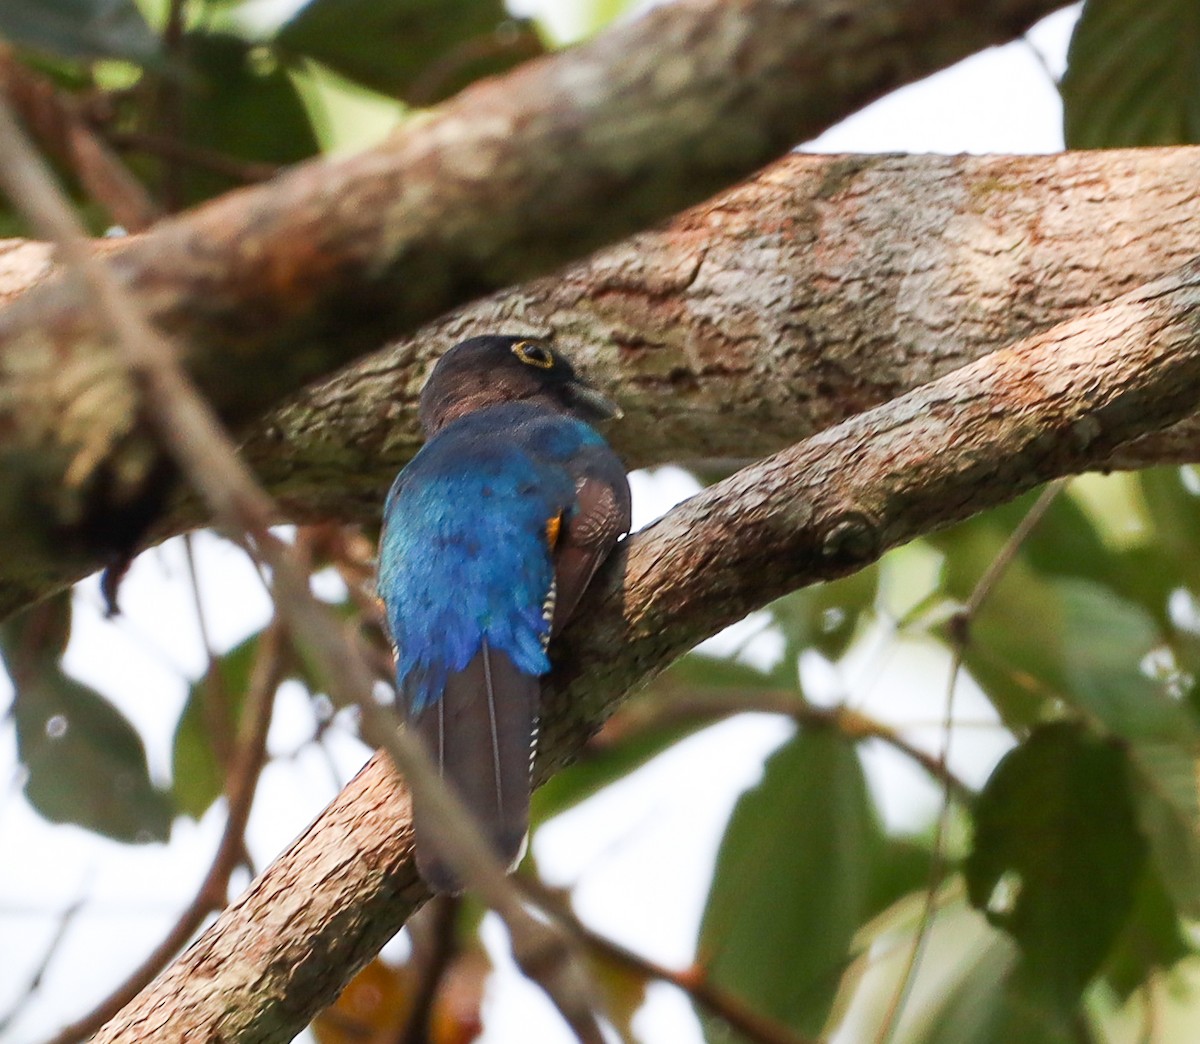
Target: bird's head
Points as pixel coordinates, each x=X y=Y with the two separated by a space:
x=498 y=368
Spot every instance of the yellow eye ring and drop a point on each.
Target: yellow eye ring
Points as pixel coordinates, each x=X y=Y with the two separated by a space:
x=533 y=354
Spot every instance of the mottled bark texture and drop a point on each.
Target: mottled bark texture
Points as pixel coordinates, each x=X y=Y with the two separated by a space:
x=823 y=286
x=269 y=287
x=1053 y=405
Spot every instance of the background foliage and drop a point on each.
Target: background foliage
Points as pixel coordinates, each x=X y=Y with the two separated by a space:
x=1056 y=902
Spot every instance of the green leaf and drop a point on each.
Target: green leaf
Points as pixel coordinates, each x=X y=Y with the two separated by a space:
x=1133 y=75
x=603 y=763
x=85 y=763
x=417 y=50
x=793 y=881
x=1013 y=653
x=240 y=104
x=207 y=729
x=825 y=616
x=599 y=766
x=699 y=670
x=986 y=1006
x=83 y=29
x=1164 y=777
x=1104 y=642
x=901 y=868
x=1056 y=857
x=1152 y=939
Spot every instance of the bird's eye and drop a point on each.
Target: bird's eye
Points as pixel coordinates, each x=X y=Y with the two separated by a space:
x=533 y=354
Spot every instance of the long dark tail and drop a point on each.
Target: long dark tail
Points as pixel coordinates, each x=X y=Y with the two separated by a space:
x=481 y=735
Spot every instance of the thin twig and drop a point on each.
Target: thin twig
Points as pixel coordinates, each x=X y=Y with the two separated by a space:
x=960 y=637
x=212 y=895
x=246 y=172
x=691 y=704
x=169 y=108
x=35 y=980
x=214 y=698
x=55 y=118
x=694 y=981
x=208 y=457
x=435 y=944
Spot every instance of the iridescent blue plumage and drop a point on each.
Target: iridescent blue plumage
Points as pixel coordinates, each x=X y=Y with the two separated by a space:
x=490 y=536
x=466 y=543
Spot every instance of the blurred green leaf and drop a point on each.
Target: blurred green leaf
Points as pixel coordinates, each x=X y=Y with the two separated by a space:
x=207 y=730
x=825 y=616
x=1056 y=857
x=1164 y=777
x=901 y=868
x=1105 y=641
x=242 y=105
x=85 y=763
x=81 y=29
x=1151 y=940
x=1133 y=75
x=973 y=1008
x=599 y=766
x=1174 y=511
x=1013 y=653
x=603 y=763
x=699 y=670
x=984 y=1006
x=793 y=881
x=418 y=50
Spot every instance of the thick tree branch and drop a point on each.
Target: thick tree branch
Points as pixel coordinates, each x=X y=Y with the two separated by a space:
x=273 y=285
x=1053 y=405
x=823 y=286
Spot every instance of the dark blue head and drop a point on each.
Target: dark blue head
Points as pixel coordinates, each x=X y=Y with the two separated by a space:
x=498 y=368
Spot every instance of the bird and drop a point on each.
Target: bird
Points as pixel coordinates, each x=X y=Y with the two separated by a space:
x=490 y=535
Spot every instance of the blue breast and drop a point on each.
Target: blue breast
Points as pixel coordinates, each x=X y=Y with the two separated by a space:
x=464 y=553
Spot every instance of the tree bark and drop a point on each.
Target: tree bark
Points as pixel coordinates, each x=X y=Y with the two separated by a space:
x=1053 y=405
x=821 y=287
x=268 y=287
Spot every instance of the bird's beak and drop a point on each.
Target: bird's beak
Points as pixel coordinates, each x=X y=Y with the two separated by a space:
x=592 y=403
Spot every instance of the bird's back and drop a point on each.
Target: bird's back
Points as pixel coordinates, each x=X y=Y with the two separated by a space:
x=464 y=553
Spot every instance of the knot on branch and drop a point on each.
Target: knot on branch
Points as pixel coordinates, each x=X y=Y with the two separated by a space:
x=853 y=538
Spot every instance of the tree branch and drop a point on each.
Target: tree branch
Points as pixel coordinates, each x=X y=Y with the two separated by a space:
x=822 y=287
x=1053 y=405
x=273 y=285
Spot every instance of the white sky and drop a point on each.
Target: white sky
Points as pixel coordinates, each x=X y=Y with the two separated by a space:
x=638 y=855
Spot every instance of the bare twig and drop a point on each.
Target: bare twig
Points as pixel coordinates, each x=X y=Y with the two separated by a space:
x=960 y=637
x=435 y=943
x=244 y=171
x=169 y=107
x=56 y=120
x=212 y=895
x=208 y=457
x=35 y=979
x=214 y=698
x=691 y=704
x=694 y=981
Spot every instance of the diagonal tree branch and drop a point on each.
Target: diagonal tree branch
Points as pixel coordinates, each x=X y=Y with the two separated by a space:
x=824 y=286
x=821 y=287
x=1055 y=404
x=273 y=285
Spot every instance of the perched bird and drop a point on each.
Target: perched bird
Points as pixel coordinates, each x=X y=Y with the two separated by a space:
x=491 y=534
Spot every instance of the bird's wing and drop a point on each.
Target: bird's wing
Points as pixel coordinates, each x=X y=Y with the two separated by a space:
x=592 y=527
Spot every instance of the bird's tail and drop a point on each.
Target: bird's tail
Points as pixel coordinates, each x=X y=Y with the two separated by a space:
x=481 y=735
